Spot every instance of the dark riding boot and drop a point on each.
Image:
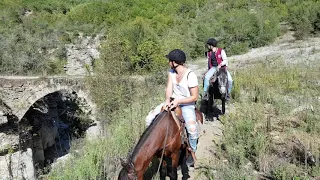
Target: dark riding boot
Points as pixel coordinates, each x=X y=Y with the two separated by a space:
x=183 y=165
x=190 y=160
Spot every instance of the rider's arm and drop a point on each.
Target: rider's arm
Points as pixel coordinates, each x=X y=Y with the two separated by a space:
x=193 y=88
x=194 y=93
x=169 y=89
x=224 y=58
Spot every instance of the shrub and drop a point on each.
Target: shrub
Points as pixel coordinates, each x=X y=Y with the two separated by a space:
x=304 y=17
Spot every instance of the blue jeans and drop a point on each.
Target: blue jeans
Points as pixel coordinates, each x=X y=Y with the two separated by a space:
x=210 y=74
x=189 y=115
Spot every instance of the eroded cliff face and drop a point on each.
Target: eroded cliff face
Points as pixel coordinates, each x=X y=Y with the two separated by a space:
x=81 y=55
x=30 y=146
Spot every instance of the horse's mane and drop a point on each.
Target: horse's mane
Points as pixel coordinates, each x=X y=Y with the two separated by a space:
x=146 y=133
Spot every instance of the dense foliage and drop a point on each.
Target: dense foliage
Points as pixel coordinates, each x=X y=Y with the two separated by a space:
x=33 y=33
x=135 y=36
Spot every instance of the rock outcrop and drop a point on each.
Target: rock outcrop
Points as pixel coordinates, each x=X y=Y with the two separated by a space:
x=43 y=135
x=81 y=56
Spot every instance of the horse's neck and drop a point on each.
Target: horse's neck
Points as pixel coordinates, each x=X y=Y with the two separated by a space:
x=177 y=119
x=153 y=143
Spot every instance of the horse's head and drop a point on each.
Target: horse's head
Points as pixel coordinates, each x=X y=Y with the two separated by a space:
x=222 y=81
x=127 y=172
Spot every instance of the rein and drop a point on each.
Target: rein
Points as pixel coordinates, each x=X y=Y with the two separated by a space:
x=164 y=147
x=181 y=127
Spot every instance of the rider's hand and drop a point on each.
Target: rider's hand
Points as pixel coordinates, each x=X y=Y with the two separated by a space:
x=219 y=66
x=174 y=104
x=167 y=104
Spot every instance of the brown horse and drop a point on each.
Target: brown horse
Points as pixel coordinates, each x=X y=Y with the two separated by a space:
x=165 y=131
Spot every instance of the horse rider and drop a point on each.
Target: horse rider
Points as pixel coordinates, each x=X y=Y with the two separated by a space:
x=182 y=85
x=217 y=58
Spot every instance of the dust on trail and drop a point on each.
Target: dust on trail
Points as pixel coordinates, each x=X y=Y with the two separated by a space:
x=284 y=47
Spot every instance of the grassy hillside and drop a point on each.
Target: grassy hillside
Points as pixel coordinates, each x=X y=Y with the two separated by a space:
x=33 y=33
x=274 y=131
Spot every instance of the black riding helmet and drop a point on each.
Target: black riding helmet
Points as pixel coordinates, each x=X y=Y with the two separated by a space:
x=177 y=56
x=213 y=42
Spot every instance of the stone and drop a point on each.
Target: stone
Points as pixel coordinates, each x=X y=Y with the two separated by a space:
x=302 y=108
x=94 y=131
x=61 y=161
x=18 y=165
x=8 y=141
x=80 y=56
x=14 y=104
x=7 y=85
x=3 y=118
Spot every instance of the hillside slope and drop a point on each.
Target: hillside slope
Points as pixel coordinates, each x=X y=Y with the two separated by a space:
x=285 y=49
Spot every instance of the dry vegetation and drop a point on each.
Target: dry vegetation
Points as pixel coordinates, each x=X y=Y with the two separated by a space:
x=274 y=131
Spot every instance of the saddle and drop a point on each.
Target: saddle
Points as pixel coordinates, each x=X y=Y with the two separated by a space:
x=177 y=115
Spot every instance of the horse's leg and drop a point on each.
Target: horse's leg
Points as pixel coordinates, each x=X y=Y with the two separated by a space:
x=211 y=105
x=175 y=161
x=223 y=105
x=210 y=102
x=163 y=170
x=184 y=167
x=140 y=175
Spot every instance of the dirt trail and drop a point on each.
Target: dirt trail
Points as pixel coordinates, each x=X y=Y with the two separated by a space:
x=210 y=134
x=284 y=47
x=206 y=148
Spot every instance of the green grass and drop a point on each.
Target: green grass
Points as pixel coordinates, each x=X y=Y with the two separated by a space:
x=267 y=97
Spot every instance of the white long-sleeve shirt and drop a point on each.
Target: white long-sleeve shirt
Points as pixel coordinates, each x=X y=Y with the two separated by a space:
x=224 y=58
